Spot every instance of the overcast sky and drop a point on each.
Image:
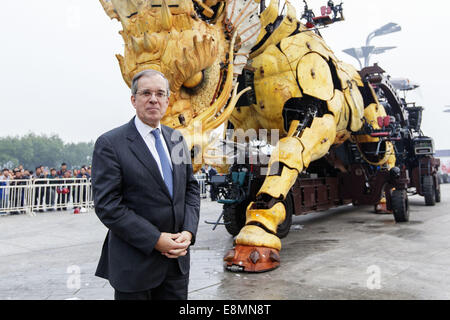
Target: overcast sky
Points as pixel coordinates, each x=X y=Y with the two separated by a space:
x=59 y=73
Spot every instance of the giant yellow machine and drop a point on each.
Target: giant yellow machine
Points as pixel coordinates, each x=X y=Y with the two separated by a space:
x=291 y=81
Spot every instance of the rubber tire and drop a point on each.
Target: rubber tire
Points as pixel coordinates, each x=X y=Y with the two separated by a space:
x=428 y=190
x=284 y=228
x=400 y=205
x=437 y=193
x=234 y=217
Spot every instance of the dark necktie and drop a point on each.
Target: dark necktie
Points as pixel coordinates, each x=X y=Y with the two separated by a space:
x=167 y=171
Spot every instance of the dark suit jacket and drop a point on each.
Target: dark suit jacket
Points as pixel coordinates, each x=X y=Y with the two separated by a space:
x=133 y=202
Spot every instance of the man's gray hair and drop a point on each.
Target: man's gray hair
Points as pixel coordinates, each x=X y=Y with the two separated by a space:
x=147 y=73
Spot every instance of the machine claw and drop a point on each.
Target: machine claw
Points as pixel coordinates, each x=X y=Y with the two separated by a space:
x=252 y=259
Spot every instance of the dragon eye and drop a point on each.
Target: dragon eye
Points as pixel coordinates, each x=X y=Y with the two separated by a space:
x=194 y=81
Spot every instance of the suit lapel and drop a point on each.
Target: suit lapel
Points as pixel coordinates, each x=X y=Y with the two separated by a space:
x=142 y=153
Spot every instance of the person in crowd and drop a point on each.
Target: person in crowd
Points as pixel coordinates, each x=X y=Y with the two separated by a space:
x=83 y=177
x=62 y=170
x=51 y=191
x=17 y=193
x=4 y=190
x=64 y=194
x=26 y=174
x=39 y=190
x=213 y=192
x=6 y=175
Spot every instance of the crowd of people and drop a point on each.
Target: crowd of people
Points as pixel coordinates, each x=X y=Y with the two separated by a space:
x=46 y=196
x=41 y=172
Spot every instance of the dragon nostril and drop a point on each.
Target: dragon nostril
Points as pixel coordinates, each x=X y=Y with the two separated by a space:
x=182 y=119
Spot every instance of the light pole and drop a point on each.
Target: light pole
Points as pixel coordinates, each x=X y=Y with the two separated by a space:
x=386 y=29
x=368 y=50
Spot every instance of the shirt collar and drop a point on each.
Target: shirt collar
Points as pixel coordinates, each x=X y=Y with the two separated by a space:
x=144 y=129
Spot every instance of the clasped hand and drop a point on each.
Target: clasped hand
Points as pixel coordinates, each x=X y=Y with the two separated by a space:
x=174 y=245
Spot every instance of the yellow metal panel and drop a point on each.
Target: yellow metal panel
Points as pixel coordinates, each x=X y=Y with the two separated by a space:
x=287 y=26
x=351 y=72
x=318 y=138
x=288 y=151
x=269 y=218
x=274 y=84
x=356 y=104
x=278 y=186
x=371 y=113
x=314 y=77
x=296 y=46
x=268 y=16
x=255 y=236
x=338 y=106
x=391 y=159
x=344 y=78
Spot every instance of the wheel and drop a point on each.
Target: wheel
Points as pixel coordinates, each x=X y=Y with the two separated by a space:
x=400 y=206
x=437 y=192
x=428 y=190
x=234 y=217
x=284 y=228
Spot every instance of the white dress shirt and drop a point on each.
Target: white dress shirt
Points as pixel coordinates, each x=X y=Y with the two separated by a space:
x=145 y=132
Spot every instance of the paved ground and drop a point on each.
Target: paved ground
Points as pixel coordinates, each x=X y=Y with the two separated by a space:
x=344 y=253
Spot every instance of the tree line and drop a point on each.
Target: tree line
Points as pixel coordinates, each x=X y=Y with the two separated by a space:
x=33 y=150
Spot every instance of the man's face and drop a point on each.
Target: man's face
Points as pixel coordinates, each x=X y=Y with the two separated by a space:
x=150 y=110
x=6 y=173
x=53 y=172
x=63 y=167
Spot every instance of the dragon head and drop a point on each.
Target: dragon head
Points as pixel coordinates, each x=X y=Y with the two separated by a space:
x=200 y=46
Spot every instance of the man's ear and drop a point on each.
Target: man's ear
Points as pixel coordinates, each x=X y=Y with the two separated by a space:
x=133 y=101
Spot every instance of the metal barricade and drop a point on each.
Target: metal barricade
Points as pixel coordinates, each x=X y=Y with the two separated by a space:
x=38 y=195
x=15 y=196
x=62 y=194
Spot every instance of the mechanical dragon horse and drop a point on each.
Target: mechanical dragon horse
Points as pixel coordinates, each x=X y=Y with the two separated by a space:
x=206 y=48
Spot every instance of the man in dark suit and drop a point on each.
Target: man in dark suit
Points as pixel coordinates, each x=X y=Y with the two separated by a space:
x=148 y=200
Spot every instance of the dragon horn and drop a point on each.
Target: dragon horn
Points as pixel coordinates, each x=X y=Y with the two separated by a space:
x=109 y=9
x=166 y=16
